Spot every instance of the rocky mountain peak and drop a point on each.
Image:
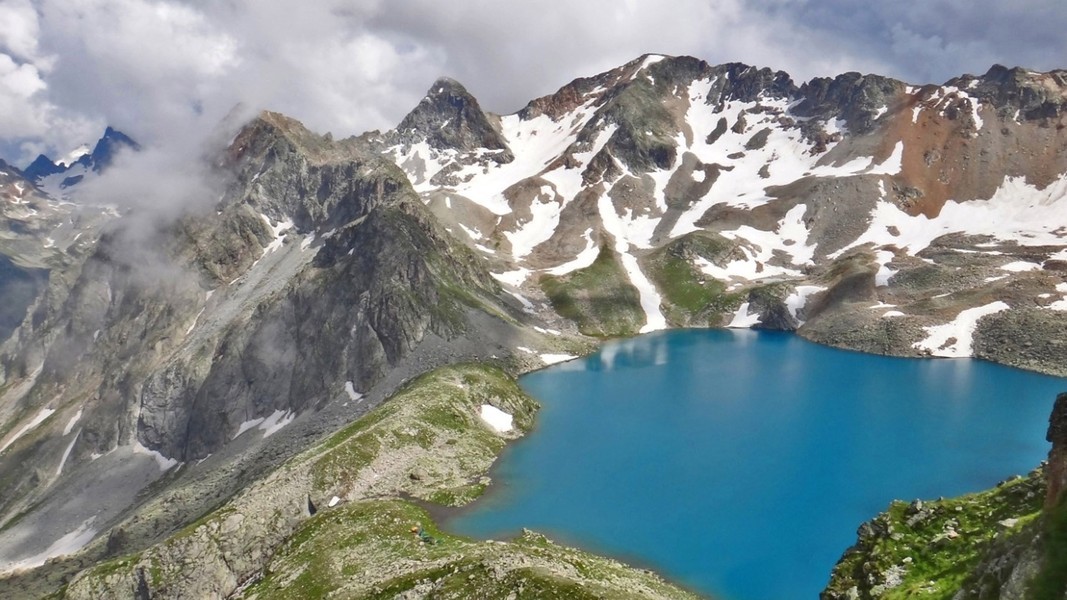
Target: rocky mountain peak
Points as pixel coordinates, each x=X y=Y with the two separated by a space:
x=42 y=166
x=1019 y=94
x=107 y=148
x=449 y=117
x=270 y=135
x=747 y=83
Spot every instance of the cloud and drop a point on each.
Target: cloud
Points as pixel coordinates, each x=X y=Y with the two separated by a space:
x=166 y=70
x=21 y=29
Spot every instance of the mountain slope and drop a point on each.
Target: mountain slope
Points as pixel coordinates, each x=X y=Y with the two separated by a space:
x=885 y=217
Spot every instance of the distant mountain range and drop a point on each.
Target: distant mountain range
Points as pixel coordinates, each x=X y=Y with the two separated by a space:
x=55 y=177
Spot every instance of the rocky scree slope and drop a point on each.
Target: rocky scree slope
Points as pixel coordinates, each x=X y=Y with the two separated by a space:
x=861 y=211
x=316 y=281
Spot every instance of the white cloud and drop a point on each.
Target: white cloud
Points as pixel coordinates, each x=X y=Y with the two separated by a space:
x=22 y=113
x=18 y=36
x=165 y=68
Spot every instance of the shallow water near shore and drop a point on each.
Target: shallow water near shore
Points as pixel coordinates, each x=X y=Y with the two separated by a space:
x=740 y=463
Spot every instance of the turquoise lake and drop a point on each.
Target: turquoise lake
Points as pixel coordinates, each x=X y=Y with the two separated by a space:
x=740 y=463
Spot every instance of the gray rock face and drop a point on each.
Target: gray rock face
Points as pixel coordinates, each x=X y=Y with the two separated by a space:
x=856 y=98
x=1021 y=90
x=450 y=118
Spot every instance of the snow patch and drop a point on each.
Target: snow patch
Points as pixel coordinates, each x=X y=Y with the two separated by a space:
x=277 y=420
x=584 y=259
x=512 y=278
x=892 y=165
x=73 y=420
x=277 y=233
x=68 y=544
x=544 y=218
x=37 y=420
x=66 y=454
x=743 y=320
x=527 y=306
x=192 y=325
x=496 y=418
x=799 y=298
x=551 y=359
x=953 y=339
x=350 y=389
x=163 y=462
x=650 y=298
x=473 y=234
x=246 y=426
x=1020 y=266
x=884 y=274
x=1017 y=212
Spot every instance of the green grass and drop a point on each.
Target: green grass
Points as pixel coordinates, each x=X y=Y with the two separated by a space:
x=598 y=298
x=930 y=563
x=690 y=296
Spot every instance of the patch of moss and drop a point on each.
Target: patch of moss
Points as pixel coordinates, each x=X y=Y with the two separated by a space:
x=599 y=298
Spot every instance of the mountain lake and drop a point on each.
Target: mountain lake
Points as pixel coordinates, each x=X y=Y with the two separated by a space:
x=740 y=463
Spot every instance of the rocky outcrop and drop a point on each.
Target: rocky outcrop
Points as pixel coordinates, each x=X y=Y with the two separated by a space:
x=855 y=98
x=1057 y=456
x=96 y=160
x=1016 y=91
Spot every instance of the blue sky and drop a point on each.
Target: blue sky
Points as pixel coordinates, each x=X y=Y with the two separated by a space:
x=166 y=71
